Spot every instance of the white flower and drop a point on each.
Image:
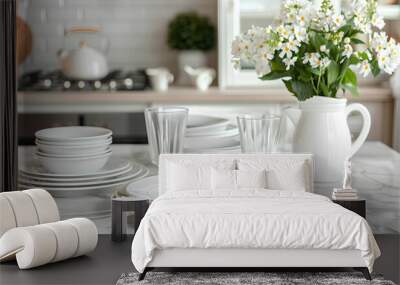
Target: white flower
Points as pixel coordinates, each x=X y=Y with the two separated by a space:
x=300 y=33
x=348 y=50
x=315 y=60
x=378 y=22
x=283 y=31
x=289 y=62
x=323 y=48
x=337 y=22
x=347 y=40
x=364 y=68
x=286 y=51
x=325 y=62
x=307 y=58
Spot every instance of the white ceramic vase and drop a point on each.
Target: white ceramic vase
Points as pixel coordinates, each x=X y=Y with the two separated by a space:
x=192 y=58
x=322 y=129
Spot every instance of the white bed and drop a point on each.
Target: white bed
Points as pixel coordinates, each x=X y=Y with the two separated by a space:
x=193 y=225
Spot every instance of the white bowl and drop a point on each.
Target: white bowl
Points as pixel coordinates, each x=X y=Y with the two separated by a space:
x=76 y=143
x=89 y=149
x=74 y=155
x=73 y=134
x=77 y=165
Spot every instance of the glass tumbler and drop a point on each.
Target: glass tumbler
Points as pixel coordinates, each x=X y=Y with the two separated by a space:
x=258 y=133
x=165 y=128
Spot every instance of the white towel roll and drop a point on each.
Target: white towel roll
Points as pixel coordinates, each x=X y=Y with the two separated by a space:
x=87 y=233
x=7 y=218
x=67 y=240
x=23 y=208
x=33 y=246
x=40 y=244
x=45 y=205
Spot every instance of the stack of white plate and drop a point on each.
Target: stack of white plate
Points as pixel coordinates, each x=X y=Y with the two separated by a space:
x=73 y=150
x=84 y=192
x=207 y=134
x=115 y=173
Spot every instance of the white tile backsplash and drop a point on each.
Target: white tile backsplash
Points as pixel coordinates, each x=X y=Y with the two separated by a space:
x=136 y=29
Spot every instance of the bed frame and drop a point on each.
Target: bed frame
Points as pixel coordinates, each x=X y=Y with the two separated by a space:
x=246 y=259
x=240 y=259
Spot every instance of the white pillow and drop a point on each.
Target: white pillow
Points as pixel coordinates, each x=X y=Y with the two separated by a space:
x=282 y=173
x=231 y=180
x=182 y=178
x=251 y=178
x=223 y=179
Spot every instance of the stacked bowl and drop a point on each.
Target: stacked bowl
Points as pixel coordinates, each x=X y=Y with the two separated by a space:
x=73 y=150
x=209 y=134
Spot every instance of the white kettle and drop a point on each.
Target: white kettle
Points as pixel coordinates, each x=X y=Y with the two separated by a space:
x=321 y=128
x=83 y=62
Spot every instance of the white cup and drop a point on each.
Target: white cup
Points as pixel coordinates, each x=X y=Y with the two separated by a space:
x=160 y=78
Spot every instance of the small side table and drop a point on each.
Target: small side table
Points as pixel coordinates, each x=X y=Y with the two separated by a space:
x=357 y=206
x=121 y=208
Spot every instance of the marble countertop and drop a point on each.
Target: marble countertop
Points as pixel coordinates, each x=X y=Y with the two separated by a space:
x=376 y=176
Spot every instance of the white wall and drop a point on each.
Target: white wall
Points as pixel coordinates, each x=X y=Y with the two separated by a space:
x=136 y=28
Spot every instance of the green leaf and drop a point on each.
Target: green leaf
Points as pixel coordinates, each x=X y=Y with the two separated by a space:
x=333 y=72
x=353 y=60
x=351 y=88
x=375 y=68
x=277 y=64
x=345 y=29
x=288 y=85
x=349 y=77
x=317 y=40
x=324 y=89
x=357 y=41
x=275 y=75
x=302 y=89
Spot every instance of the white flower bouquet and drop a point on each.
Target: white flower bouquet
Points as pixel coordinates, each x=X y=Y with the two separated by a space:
x=313 y=48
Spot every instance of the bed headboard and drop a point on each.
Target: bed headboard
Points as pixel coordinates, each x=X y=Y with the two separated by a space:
x=232 y=159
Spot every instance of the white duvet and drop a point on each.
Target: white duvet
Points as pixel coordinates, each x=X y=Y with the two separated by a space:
x=250 y=219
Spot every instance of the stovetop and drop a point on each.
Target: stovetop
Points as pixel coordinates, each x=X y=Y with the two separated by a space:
x=116 y=80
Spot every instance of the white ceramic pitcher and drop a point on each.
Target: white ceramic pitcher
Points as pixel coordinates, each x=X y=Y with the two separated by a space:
x=322 y=129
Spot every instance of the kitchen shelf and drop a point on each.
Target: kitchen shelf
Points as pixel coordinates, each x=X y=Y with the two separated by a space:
x=137 y=101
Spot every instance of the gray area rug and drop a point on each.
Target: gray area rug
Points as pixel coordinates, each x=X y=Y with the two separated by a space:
x=244 y=278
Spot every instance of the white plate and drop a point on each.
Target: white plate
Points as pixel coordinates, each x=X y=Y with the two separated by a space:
x=74 y=191
x=203 y=123
x=145 y=188
x=209 y=142
x=73 y=144
x=75 y=133
x=74 y=155
x=74 y=165
x=100 y=181
x=72 y=150
x=83 y=205
x=229 y=130
x=115 y=164
x=74 y=179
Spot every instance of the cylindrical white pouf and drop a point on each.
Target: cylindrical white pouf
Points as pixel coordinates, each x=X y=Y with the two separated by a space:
x=7 y=218
x=33 y=246
x=45 y=205
x=87 y=233
x=23 y=208
x=67 y=240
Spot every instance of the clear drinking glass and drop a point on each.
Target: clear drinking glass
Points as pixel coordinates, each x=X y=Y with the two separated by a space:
x=258 y=133
x=165 y=128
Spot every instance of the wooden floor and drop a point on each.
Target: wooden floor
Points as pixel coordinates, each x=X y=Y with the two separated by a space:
x=110 y=260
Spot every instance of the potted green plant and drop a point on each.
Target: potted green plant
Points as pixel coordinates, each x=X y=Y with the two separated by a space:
x=314 y=50
x=192 y=35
